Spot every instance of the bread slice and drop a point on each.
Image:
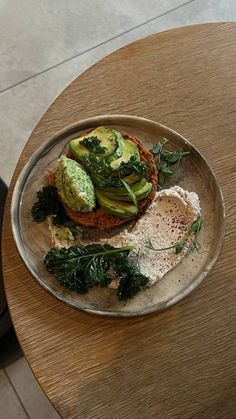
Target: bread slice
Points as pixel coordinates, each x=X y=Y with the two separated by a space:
x=104 y=220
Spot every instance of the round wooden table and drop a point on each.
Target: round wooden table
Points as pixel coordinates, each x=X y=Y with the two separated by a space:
x=180 y=363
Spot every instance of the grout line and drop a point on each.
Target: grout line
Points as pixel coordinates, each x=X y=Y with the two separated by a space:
x=98 y=45
x=14 y=389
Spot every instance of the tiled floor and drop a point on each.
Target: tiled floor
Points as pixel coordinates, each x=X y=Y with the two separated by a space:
x=43 y=46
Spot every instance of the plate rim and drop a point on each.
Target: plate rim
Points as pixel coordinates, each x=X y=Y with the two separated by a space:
x=16 y=203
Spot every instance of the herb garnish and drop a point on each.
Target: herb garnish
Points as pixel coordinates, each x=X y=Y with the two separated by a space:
x=167 y=161
x=133 y=165
x=93 y=144
x=179 y=247
x=104 y=176
x=100 y=167
x=81 y=268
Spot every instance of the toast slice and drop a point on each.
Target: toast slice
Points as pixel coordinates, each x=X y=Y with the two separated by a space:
x=102 y=219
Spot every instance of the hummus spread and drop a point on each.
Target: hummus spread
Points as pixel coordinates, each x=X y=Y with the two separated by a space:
x=167 y=221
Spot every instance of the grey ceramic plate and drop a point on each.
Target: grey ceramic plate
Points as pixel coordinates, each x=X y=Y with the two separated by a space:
x=33 y=240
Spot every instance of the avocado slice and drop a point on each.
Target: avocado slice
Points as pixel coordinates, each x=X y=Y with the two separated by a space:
x=110 y=139
x=130 y=149
x=132 y=178
x=141 y=190
x=123 y=191
x=118 y=208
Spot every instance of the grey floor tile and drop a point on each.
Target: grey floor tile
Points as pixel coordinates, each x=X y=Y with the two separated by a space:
x=198 y=11
x=10 y=406
x=34 y=400
x=37 y=35
x=22 y=106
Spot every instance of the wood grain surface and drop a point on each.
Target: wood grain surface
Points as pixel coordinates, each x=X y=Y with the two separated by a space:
x=180 y=363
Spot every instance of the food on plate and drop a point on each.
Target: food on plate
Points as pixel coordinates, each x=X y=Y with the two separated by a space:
x=123 y=172
x=74 y=185
x=165 y=234
x=81 y=268
x=108 y=181
x=167 y=161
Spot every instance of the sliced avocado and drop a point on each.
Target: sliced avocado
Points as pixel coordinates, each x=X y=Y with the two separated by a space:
x=118 y=208
x=130 y=149
x=123 y=191
x=97 y=180
x=110 y=139
x=132 y=178
x=141 y=190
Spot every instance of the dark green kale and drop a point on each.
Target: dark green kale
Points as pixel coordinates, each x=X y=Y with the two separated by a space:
x=133 y=165
x=131 y=281
x=49 y=204
x=104 y=176
x=80 y=268
x=99 y=166
x=93 y=145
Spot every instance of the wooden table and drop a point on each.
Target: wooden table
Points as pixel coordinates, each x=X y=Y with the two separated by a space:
x=180 y=363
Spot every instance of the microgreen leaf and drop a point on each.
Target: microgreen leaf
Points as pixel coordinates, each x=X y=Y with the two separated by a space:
x=167 y=161
x=165 y=170
x=179 y=247
x=197 y=224
x=157 y=148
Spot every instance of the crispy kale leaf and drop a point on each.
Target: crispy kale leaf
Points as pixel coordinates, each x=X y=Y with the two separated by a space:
x=133 y=165
x=99 y=168
x=93 y=145
x=131 y=281
x=102 y=173
x=80 y=268
x=49 y=204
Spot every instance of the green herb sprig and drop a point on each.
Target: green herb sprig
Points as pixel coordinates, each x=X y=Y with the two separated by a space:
x=179 y=247
x=93 y=144
x=81 y=268
x=104 y=176
x=167 y=161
